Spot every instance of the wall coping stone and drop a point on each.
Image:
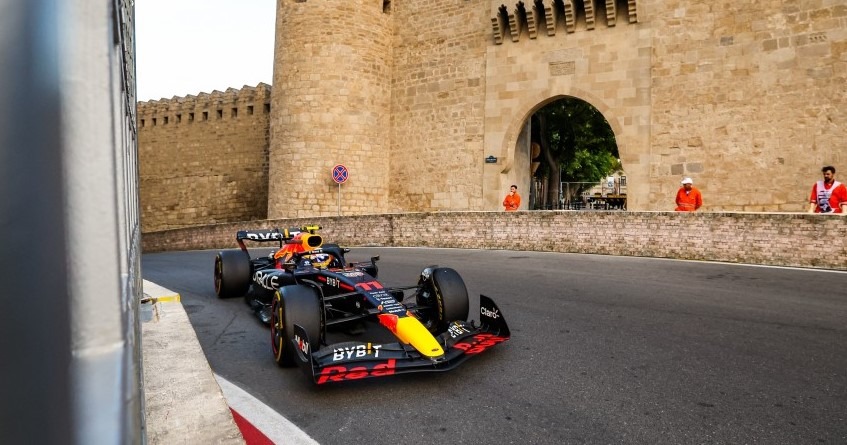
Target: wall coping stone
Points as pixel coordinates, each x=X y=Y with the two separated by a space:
x=775 y=239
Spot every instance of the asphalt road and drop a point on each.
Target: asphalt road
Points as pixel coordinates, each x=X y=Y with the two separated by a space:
x=604 y=350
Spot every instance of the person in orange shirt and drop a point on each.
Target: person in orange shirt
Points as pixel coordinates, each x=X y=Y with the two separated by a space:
x=829 y=195
x=688 y=198
x=512 y=200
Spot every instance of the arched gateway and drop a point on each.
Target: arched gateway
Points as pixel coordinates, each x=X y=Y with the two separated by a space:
x=517 y=162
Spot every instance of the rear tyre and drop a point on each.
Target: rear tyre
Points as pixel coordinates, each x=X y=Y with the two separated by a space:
x=232 y=273
x=442 y=298
x=294 y=304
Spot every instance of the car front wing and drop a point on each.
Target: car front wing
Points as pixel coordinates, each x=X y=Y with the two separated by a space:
x=358 y=360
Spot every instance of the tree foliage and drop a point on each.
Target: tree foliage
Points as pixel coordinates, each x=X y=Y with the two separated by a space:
x=579 y=139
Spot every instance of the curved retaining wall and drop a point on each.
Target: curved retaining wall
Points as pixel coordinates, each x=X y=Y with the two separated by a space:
x=779 y=239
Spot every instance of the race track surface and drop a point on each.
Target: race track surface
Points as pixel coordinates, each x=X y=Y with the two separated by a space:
x=604 y=350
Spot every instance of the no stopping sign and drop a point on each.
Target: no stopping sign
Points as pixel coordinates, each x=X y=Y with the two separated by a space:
x=340 y=173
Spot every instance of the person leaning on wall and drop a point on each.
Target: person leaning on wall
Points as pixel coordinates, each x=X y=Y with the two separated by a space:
x=688 y=198
x=828 y=195
x=512 y=200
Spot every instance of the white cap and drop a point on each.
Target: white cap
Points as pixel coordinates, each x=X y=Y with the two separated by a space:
x=687 y=181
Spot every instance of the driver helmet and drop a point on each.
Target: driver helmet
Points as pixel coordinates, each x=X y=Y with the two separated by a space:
x=320 y=260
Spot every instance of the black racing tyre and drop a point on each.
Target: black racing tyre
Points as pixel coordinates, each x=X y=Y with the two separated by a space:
x=232 y=273
x=294 y=304
x=445 y=297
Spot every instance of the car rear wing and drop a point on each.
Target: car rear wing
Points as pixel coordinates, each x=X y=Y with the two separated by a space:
x=280 y=236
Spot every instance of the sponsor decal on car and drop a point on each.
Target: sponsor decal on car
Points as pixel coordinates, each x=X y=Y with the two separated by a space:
x=268 y=280
x=489 y=312
x=339 y=373
x=387 y=302
x=457 y=330
x=479 y=343
x=358 y=351
x=264 y=236
x=302 y=345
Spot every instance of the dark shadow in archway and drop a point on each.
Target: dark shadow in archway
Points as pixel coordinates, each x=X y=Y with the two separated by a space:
x=573 y=154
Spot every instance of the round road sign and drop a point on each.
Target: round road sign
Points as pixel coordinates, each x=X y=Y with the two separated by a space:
x=340 y=173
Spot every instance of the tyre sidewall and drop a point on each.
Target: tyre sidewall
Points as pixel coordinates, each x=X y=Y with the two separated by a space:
x=232 y=273
x=451 y=297
x=297 y=304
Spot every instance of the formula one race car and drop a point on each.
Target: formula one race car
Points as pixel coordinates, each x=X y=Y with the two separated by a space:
x=306 y=287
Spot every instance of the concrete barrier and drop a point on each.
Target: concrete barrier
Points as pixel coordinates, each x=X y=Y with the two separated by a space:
x=777 y=239
x=183 y=402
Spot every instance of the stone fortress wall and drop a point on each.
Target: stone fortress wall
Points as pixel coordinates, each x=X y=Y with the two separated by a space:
x=204 y=159
x=332 y=87
x=438 y=105
x=748 y=98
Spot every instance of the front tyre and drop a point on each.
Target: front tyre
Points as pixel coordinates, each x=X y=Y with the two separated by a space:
x=441 y=298
x=294 y=304
x=232 y=273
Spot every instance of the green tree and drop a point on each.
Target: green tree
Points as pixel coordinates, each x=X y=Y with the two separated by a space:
x=577 y=145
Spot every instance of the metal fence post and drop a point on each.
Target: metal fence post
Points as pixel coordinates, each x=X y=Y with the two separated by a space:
x=69 y=224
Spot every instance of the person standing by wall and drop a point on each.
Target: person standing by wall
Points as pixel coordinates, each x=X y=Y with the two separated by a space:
x=512 y=200
x=688 y=198
x=828 y=195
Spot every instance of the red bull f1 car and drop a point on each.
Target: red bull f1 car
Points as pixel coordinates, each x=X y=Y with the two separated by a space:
x=306 y=287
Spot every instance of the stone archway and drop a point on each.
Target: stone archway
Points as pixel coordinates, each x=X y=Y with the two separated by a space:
x=576 y=151
x=514 y=158
x=611 y=70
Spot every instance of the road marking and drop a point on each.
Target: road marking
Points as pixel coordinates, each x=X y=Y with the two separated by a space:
x=622 y=257
x=277 y=428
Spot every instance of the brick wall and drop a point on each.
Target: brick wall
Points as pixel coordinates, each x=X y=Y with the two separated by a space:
x=780 y=239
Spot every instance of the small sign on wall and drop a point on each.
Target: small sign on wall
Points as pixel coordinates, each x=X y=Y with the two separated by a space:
x=562 y=68
x=340 y=174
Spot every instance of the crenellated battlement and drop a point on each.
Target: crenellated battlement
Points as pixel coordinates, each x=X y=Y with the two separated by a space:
x=231 y=103
x=204 y=158
x=552 y=14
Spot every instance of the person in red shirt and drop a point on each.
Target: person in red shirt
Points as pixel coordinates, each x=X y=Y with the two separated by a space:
x=512 y=200
x=688 y=198
x=829 y=195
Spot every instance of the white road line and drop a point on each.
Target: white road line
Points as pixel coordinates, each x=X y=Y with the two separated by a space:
x=277 y=428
